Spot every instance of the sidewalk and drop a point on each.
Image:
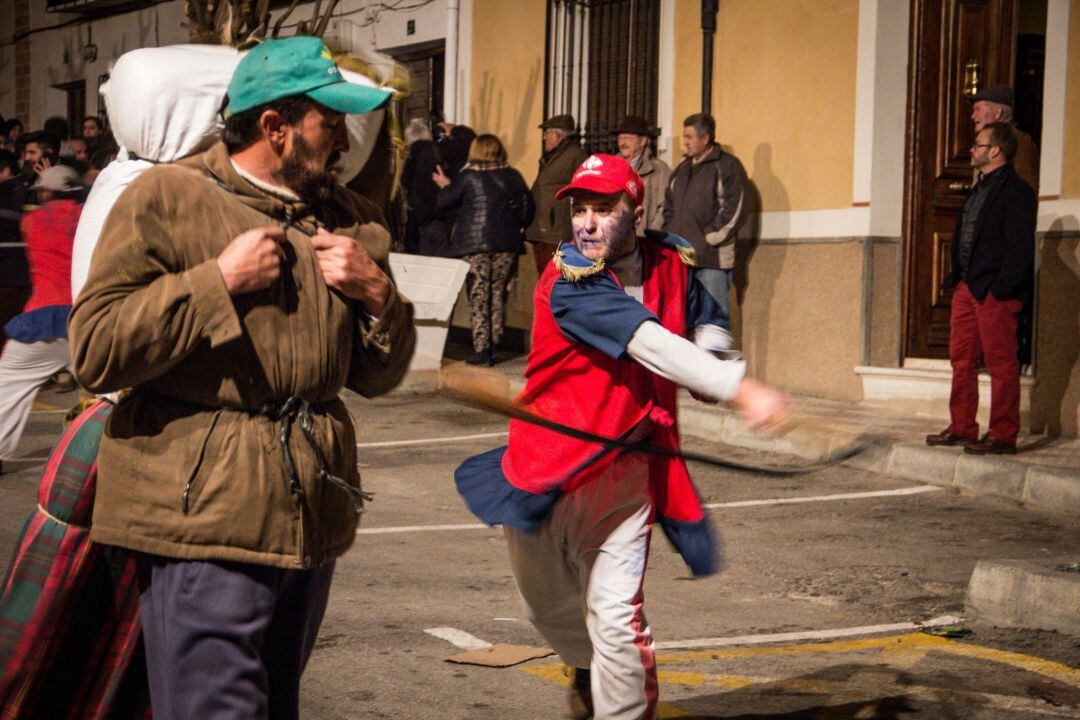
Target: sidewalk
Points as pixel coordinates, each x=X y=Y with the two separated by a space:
x=1045 y=472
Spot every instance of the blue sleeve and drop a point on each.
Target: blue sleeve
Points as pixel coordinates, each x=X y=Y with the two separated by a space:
x=597 y=312
x=701 y=309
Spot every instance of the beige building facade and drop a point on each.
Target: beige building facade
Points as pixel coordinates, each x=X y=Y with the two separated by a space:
x=814 y=97
x=821 y=101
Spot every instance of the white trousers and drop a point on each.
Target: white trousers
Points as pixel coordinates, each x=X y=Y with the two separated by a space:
x=24 y=368
x=581 y=576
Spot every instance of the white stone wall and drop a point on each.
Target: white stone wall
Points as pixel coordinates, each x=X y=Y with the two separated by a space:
x=56 y=55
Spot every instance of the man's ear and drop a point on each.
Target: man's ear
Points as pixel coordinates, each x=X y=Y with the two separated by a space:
x=639 y=212
x=273 y=126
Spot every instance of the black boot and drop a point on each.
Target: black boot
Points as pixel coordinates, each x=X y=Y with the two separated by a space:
x=579 y=698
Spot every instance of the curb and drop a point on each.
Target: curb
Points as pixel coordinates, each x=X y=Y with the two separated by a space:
x=1026 y=594
x=1036 y=485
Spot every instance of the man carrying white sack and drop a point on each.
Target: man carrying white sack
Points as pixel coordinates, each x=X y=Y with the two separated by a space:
x=237 y=292
x=610 y=322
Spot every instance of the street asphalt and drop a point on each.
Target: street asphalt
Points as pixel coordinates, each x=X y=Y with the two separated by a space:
x=813 y=618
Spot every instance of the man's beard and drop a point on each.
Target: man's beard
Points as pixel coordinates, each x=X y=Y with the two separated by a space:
x=299 y=172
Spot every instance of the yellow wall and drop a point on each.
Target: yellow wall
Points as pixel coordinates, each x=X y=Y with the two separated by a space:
x=784 y=96
x=507 y=96
x=687 y=94
x=1070 y=181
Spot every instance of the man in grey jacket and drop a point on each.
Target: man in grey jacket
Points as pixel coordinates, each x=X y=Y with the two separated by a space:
x=633 y=136
x=706 y=203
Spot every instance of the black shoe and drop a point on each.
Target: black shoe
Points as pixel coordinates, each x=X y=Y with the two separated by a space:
x=947 y=437
x=481 y=358
x=990 y=446
x=579 y=699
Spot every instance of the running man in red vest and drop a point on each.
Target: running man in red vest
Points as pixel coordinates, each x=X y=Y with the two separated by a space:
x=610 y=349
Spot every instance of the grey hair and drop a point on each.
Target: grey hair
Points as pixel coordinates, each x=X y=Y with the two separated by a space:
x=417 y=129
x=1006 y=112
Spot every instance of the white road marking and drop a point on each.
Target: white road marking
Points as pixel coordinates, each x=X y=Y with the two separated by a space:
x=741 y=503
x=718 y=642
x=458 y=638
x=429 y=441
x=419 y=528
x=916 y=490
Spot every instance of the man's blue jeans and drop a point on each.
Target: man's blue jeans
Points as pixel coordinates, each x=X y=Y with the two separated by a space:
x=716 y=282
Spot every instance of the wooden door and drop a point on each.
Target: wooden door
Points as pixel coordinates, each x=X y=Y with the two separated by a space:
x=957 y=48
x=425 y=63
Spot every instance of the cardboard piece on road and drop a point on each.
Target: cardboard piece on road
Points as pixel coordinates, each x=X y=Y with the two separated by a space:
x=500 y=656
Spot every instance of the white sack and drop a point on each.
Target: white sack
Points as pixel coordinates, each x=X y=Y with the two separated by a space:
x=163 y=105
x=112 y=181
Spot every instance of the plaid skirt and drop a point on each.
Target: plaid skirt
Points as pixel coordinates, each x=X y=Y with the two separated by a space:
x=70 y=642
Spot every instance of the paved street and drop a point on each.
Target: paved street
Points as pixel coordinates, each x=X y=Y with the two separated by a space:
x=826 y=575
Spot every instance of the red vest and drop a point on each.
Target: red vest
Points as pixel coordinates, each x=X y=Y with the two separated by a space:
x=580 y=386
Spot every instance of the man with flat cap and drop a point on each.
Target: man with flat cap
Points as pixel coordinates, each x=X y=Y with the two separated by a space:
x=634 y=137
x=562 y=155
x=995 y=104
x=236 y=292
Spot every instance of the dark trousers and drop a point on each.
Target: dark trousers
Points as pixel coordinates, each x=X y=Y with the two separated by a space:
x=985 y=329
x=228 y=640
x=542 y=254
x=12 y=299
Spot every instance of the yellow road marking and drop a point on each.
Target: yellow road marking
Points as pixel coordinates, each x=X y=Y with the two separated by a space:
x=39 y=406
x=900 y=652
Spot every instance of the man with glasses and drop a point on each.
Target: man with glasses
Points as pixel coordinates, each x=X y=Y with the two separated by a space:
x=993 y=250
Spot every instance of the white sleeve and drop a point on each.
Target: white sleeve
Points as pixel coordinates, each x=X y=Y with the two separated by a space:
x=681 y=361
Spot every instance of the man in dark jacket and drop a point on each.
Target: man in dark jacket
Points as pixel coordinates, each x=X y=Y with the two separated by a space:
x=562 y=156
x=993 y=249
x=14 y=273
x=706 y=204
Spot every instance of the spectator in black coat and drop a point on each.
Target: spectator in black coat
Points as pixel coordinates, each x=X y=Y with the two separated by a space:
x=494 y=207
x=14 y=273
x=426 y=231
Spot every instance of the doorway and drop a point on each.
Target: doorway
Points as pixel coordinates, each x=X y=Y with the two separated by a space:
x=957 y=47
x=425 y=63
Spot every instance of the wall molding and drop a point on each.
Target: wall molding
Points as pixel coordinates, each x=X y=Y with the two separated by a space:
x=665 y=90
x=1052 y=141
x=865 y=76
x=844 y=222
x=1059 y=215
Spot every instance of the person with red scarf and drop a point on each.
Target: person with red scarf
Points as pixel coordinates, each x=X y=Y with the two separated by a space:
x=612 y=318
x=37 y=344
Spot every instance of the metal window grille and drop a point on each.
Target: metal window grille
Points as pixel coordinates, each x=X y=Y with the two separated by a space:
x=602 y=64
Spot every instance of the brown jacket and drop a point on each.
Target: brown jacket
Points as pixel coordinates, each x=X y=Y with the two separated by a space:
x=655 y=173
x=190 y=466
x=551 y=223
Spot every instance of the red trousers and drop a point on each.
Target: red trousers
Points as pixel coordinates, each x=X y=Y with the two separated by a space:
x=985 y=329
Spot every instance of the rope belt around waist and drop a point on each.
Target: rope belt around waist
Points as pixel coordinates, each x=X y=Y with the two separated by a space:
x=296 y=410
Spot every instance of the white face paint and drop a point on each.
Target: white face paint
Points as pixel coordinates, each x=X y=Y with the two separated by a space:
x=603 y=227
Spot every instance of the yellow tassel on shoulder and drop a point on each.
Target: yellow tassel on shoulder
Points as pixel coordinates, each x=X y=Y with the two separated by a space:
x=688 y=256
x=571 y=273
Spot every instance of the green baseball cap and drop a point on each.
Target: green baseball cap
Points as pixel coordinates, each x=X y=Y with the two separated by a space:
x=276 y=69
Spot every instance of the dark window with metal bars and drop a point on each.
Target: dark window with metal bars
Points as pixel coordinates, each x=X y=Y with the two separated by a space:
x=602 y=64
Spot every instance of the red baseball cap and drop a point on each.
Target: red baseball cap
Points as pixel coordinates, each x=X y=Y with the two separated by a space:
x=607 y=175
